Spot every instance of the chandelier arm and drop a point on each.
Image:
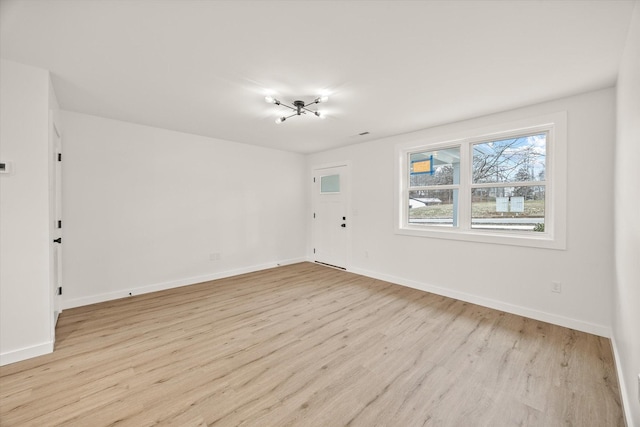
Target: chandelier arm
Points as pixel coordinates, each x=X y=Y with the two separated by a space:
x=306 y=109
x=315 y=101
x=288 y=106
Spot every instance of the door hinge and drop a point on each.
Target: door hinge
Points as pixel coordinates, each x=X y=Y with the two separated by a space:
x=59 y=223
x=59 y=290
x=314 y=179
x=59 y=157
x=314 y=215
x=314 y=250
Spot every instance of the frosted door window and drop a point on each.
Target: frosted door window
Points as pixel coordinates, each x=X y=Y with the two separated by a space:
x=330 y=184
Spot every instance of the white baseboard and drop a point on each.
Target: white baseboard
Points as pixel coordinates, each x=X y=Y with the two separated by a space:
x=26 y=353
x=625 y=392
x=567 y=322
x=109 y=296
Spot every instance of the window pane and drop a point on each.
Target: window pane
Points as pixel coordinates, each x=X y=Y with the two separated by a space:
x=510 y=160
x=330 y=184
x=438 y=167
x=433 y=207
x=508 y=208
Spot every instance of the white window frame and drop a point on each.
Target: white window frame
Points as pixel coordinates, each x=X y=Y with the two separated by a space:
x=554 y=236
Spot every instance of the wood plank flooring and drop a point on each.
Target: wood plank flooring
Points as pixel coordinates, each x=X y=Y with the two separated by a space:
x=307 y=345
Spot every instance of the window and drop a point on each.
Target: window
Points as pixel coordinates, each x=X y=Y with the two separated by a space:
x=330 y=184
x=508 y=183
x=434 y=178
x=501 y=186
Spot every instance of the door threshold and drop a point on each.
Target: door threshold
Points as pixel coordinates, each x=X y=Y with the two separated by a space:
x=331 y=265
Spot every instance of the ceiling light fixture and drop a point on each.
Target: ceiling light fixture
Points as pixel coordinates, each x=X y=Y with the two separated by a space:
x=298 y=107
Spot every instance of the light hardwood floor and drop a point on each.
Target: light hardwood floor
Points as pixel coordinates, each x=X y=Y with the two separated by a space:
x=307 y=345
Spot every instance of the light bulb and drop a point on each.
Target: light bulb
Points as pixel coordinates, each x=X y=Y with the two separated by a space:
x=270 y=99
x=323 y=98
x=280 y=119
x=321 y=114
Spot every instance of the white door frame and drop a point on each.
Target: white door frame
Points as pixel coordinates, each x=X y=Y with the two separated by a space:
x=315 y=171
x=55 y=216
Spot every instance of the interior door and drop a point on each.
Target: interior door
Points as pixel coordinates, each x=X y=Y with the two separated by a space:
x=330 y=216
x=57 y=224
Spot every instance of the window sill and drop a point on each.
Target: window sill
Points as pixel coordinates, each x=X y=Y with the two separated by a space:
x=538 y=240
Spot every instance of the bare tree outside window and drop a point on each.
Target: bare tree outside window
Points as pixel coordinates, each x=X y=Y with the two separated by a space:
x=504 y=163
x=510 y=160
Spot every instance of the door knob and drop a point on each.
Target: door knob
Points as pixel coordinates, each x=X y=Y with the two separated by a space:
x=58 y=240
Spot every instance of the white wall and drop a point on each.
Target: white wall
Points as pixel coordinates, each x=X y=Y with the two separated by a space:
x=515 y=279
x=25 y=297
x=626 y=295
x=144 y=208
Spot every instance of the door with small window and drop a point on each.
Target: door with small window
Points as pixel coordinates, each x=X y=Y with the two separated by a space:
x=330 y=216
x=56 y=230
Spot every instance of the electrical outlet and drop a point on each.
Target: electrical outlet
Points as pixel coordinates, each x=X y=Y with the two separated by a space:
x=366 y=254
x=556 y=287
x=214 y=256
x=5 y=167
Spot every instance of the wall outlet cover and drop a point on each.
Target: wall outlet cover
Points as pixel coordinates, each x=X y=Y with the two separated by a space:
x=5 y=167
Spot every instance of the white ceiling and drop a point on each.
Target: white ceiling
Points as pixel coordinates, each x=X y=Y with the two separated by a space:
x=390 y=67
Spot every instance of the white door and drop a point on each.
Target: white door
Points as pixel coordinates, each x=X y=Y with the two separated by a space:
x=330 y=216
x=57 y=223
